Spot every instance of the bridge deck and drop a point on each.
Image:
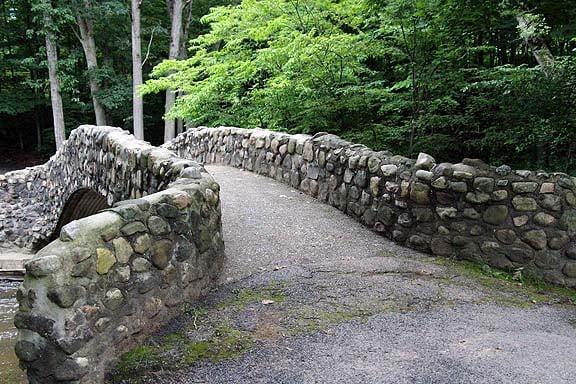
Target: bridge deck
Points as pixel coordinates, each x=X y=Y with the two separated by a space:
x=310 y=296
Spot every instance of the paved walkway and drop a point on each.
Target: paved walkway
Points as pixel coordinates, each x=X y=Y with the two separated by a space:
x=310 y=296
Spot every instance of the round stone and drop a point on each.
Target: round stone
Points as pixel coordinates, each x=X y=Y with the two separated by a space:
x=544 y=219
x=495 y=214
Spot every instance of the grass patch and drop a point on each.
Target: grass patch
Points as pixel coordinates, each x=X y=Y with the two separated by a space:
x=243 y=297
x=530 y=289
x=225 y=343
x=313 y=320
x=144 y=357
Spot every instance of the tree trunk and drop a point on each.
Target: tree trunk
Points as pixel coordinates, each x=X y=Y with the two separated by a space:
x=55 y=96
x=137 y=102
x=38 y=129
x=176 y=7
x=86 y=27
x=537 y=45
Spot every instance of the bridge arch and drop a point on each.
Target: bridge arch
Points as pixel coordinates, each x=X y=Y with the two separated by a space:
x=81 y=203
x=110 y=277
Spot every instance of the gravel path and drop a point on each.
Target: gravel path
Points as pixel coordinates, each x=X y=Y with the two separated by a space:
x=310 y=296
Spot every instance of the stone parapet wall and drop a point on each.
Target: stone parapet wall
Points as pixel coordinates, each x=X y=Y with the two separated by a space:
x=113 y=278
x=105 y=159
x=493 y=215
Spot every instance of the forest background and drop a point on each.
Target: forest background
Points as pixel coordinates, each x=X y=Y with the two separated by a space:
x=489 y=79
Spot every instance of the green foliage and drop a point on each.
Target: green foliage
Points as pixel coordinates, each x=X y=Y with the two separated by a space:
x=447 y=77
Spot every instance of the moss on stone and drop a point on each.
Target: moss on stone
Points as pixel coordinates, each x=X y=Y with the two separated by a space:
x=226 y=342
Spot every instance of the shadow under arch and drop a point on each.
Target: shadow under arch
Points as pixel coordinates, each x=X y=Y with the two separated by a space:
x=82 y=203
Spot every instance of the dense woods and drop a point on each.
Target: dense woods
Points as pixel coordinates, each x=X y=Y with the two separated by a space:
x=492 y=79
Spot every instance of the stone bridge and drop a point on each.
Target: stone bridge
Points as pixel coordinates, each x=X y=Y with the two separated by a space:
x=111 y=278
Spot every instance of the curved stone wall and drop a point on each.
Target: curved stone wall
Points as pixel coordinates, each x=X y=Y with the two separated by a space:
x=112 y=278
x=494 y=215
x=104 y=159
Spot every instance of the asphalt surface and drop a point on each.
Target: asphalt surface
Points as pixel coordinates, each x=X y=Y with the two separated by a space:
x=332 y=302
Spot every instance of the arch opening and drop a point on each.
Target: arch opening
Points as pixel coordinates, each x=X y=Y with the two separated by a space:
x=82 y=203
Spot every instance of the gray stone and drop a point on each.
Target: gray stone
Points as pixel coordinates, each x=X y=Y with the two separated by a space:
x=550 y=202
x=113 y=299
x=503 y=170
x=158 y=226
x=389 y=170
x=506 y=236
x=440 y=183
x=308 y=152
x=471 y=213
x=543 y=219
x=570 y=269
x=520 y=220
x=500 y=195
x=524 y=187
x=386 y=215
x=313 y=172
x=122 y=249
x=168 y=211
x=458 y=186
x=420 y=193
x=373 y=164
x=65 y=296
x=557 y=239
x=495 y=255
x=70 y=231
x=476 y=230
x=161 y=253
x=43 y=266
x=535 y=238
x=446 y=213
x=424 y=175
x=191 y=173
x=140 y=264
x=72 y=369
x=133 y=227
x=524 y=204
x=423 y=214
x=484 y=184
x=441 y=246
x=360 y=179
x=568 y=221
x=495 y=214
x=141 y=244
x=424 y=161
x=477 y=197
x=123 y=274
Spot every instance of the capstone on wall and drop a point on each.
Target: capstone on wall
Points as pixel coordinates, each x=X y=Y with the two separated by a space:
x=493 y=215
x=113 y=278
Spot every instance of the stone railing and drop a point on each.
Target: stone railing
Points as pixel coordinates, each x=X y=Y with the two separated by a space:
x=507 y=219
x=106 y=160
x=112 y=278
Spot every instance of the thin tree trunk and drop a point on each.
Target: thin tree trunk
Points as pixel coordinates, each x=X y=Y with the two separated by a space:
x=137 y=102
x=177 y=7
x=38 y=129
x=179 y=126
x=86 y=27
x=56 y=97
